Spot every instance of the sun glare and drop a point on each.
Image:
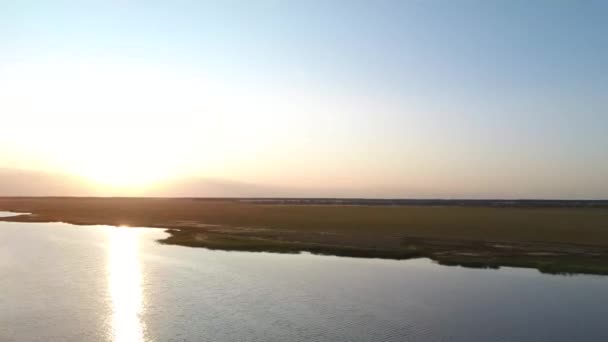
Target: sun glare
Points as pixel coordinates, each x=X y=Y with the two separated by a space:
x=126 y=126
x=120 y=126
x=124 y=282
x=119 y=176
x=121 y=169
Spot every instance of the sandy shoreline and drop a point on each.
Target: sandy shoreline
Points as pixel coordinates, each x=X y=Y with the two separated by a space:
x=553 y=240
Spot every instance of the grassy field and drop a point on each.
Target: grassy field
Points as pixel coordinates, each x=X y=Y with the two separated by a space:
x=450 y=234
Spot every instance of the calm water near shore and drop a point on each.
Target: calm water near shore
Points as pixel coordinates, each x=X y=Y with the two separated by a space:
x=60 y=282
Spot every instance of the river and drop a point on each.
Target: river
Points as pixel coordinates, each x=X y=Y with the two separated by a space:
x=60 y=282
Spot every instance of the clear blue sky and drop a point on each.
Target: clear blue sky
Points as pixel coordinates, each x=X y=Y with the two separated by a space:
x=370 y=98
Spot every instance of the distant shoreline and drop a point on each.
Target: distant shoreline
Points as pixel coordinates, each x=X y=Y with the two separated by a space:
x=489 y=202
x=552 y=236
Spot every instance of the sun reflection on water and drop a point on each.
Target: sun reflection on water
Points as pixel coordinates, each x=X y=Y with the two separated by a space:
x=125 y=285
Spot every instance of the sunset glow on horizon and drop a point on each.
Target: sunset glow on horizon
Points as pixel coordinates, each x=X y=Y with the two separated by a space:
x=404 y=99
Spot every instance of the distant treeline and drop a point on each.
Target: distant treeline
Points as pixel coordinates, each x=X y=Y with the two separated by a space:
x=528 y=203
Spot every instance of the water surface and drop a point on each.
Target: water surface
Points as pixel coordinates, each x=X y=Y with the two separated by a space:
x=61 y=282
x=10 y=214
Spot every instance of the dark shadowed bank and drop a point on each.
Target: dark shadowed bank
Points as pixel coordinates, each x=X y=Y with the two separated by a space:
x=551 y=236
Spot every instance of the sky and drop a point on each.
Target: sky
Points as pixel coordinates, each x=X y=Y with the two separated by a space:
x=400 y=99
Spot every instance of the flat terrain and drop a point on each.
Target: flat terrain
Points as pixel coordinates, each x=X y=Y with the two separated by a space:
x=552 y=239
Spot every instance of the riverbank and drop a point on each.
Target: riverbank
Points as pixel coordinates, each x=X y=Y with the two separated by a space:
x=553 y=240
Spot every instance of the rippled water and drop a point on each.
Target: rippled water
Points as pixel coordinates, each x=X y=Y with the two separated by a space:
x=60 y=282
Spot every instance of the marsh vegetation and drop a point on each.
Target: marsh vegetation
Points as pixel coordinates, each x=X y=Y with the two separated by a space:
x=551 y=239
